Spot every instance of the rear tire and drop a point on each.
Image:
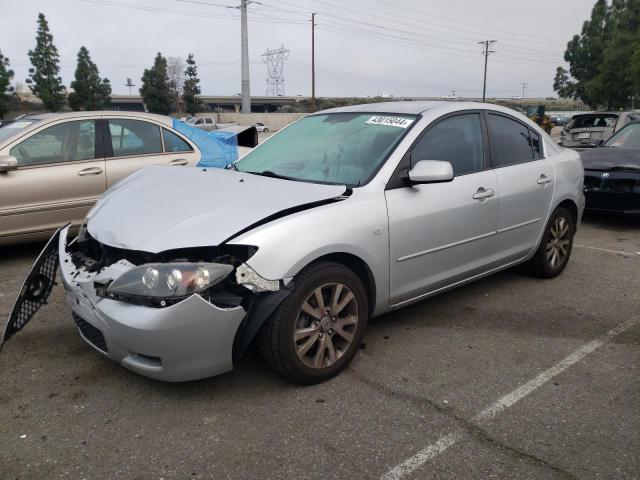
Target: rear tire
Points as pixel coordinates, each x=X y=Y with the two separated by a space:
x=313 y=335
x=555 y=247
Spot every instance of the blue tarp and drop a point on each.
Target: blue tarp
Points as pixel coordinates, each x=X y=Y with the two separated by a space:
x=218 y=148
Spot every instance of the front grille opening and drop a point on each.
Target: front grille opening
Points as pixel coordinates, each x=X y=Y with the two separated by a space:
x=91 y=333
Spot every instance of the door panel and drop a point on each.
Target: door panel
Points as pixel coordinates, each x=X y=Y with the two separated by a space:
x=526 y=183
x=43 y=198
x=440 y=234
x=57 y=181
x=526 y=192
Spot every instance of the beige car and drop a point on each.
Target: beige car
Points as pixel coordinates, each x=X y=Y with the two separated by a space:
x=53 y=167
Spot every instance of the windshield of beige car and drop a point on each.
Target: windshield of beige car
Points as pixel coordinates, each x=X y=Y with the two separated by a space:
x=14 y=128
x=334 y=148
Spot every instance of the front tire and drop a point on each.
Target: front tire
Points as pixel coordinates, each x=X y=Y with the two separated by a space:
x=313 y=335
x=555 y=247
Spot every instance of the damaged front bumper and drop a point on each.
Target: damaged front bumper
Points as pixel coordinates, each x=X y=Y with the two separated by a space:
x=189 y=340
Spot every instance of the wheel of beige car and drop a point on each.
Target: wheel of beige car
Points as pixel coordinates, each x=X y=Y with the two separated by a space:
x=316 y=331
x=555 y=247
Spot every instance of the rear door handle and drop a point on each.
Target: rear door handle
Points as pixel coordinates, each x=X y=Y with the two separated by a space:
x=543 y=179
x=483 y=194
x=90 y=171
x=179 y=161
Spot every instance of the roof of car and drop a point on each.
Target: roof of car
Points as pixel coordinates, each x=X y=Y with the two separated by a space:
x=412 y=107
x=65 y=115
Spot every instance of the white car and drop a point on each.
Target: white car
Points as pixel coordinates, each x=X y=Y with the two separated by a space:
x=345 y=214
x=261 y=127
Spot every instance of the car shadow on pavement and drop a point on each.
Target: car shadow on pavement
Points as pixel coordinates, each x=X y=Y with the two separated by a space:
x=611 y=221
x=21 y=251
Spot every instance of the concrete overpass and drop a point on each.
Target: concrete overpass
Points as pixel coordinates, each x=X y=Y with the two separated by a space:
x=219 y=104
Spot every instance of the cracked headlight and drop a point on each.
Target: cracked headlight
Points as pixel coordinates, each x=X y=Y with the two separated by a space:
x=168 y=280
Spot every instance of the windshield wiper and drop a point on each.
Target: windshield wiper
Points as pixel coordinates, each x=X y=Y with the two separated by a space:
x=272 y=174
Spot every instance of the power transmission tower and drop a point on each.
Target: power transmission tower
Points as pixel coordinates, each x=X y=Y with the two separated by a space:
x=524 y=85
x=275 y=68
x=129 y=84
x=487 y=49
x=313 y=62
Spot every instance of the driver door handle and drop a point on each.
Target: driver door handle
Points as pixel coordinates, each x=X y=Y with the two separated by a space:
x=483 y=194
x=90 y=171
x=179 y=161
x=543 y=179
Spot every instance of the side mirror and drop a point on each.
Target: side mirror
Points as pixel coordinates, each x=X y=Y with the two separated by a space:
x=8 y=162
x=430 y=171
x=597 y=143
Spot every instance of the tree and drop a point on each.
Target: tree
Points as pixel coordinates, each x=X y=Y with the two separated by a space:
x=89 y=91
x=6 y=75
x=44 y=80
x=175 y=75
x=600 y=56
x=616 y=77
x=191 y=88
x=155 y=90
x=635 y=74
x=563 y=85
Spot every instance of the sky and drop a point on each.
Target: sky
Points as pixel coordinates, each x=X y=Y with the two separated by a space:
x=363 y=47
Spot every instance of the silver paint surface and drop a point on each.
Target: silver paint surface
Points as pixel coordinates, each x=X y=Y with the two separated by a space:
x=163 y=208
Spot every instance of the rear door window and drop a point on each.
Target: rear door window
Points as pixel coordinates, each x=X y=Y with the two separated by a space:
x=173 y=143
x=65 y=142
x=134 y=137
x=510 y=141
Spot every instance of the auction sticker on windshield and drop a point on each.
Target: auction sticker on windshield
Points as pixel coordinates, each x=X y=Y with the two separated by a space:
x=390 y=121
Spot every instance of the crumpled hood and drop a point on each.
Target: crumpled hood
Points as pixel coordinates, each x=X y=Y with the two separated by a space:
x=166 y=207
x=606 y=158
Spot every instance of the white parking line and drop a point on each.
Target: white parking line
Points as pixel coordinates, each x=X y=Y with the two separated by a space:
x=445 y=441
x=617 y=252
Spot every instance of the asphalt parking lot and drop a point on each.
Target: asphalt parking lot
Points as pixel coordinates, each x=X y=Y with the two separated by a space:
x=498 y=379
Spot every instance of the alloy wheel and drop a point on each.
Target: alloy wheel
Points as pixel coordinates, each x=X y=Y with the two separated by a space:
x=326 y=325
x=558 y=242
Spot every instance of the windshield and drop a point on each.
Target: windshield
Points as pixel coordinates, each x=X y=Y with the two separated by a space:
x=628 y=137
x=13 y=128
x=337 y=148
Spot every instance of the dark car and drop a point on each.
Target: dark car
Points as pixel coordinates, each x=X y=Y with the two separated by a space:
x=612 y=173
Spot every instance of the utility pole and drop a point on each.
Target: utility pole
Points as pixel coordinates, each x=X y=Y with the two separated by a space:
x=246 y=94
x=524 y=85
x=487 y=45
x=313 y=62
x=453 y=92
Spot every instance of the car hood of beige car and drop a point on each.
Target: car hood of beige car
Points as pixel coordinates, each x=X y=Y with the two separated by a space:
x=162 y=208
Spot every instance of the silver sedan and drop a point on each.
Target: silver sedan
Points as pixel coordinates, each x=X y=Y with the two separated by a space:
x=344 y=215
